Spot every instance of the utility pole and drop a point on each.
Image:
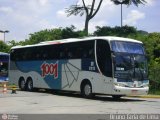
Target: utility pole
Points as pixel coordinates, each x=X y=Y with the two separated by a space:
x=121 y=16
x=4 y=32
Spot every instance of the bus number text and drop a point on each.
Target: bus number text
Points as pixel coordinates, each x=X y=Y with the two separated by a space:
x=49 y=69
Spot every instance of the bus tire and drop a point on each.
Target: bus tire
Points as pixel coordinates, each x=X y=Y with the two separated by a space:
x=29 y=84
x=116 y=97
x=86 y=90
x=22 y=84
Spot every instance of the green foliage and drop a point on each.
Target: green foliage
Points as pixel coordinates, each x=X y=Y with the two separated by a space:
x=52 y=34
x=4 y=47
x=43 y=35
x=152 y=44
x=69 y=32
x=13 y=43
x=124 y=31
x=154 y=40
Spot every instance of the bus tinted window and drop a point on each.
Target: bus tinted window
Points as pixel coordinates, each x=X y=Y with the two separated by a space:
x=104 y=57
x=128 y=47
x=4 y=57
x=75 y=50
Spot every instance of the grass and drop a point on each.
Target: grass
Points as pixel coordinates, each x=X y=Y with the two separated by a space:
x=154 y=92
x=146 y=96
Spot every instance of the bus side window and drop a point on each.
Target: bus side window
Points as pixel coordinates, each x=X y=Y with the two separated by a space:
x=70 y=55
x=13 y=55
x=84 y=54
x=61 y=55
x=91 y=53
x=78 y=53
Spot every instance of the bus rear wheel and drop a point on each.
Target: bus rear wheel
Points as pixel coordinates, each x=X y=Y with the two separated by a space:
x=22 y=84
x=87 y=90
x=29 y=85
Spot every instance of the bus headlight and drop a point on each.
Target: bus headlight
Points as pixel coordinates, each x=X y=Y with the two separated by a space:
x=145 y=85
x=119 y=84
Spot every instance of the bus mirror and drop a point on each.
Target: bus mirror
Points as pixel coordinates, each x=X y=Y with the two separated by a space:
x=113 y=55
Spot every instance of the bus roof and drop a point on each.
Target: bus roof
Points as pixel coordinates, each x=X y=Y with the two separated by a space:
x=70 y=40
x=2 y=53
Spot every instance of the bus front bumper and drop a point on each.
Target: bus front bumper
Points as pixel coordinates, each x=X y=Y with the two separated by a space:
x=118 y=90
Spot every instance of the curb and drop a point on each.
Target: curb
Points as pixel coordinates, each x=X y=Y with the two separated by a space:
x=146 y=96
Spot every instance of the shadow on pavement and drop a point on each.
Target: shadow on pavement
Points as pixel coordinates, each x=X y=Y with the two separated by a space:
x=103 y=98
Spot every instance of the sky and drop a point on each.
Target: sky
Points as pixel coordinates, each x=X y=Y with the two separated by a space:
x=23 y=17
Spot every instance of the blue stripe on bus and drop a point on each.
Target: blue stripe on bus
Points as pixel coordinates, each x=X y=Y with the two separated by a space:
x=51 y=79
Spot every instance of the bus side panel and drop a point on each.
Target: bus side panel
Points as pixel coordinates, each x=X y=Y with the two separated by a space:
x=16 y=73
x=45 y=74
x=75 y=71
x=13 y=73
x=70 y=74
x=62 y=75
x=98 y=84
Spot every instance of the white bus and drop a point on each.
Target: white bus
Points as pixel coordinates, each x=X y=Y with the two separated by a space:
x=95 y=65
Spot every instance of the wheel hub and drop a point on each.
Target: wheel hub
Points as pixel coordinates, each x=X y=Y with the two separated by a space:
x=87 y=90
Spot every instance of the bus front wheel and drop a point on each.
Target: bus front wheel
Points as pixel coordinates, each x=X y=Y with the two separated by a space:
x=116 y=97
x=87 y=90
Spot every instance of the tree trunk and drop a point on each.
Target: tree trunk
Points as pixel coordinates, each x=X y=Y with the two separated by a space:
x=86 y=26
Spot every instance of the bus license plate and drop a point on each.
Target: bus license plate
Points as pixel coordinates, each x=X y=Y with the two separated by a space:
x=134 y=92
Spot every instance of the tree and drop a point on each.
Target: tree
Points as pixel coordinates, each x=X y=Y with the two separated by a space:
x=3 y=47
x=43 y=35
x=51 y=34
x=13 y=43
x=123 y=31
x=127 y=2
x=69 y=32
x=152 y=46
x=89 y=10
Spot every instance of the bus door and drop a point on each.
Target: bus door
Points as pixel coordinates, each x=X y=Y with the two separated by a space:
x=104 y=62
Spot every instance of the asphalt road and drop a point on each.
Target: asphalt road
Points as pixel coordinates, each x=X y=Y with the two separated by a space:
x=66 y=103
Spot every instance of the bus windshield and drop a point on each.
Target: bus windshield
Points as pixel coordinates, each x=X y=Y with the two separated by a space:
x=3 y=69
x=127 y=47
x=129 y=61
